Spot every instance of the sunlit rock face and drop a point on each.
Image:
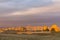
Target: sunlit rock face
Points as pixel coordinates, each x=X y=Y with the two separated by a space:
x=55 y=27
x=45 y=27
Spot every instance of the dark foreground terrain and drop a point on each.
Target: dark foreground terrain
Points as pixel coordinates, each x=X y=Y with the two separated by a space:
x=55 y=36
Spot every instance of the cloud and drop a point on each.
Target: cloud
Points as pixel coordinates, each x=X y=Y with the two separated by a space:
x=56 y=0
x=12 y=6
x=23 y=3
x=26 y=12
x=38 y=10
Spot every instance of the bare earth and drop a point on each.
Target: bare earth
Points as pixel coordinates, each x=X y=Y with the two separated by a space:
x=55 y=36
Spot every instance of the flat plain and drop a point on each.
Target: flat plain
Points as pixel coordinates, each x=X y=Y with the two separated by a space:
x=52 y=36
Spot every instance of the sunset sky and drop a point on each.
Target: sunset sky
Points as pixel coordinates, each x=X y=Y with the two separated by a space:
x=29 y=12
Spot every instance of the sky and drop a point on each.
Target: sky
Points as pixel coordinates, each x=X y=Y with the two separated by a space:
x=29 y=12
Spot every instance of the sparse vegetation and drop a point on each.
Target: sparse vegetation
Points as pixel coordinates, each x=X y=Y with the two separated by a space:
x=9 y=32
x=29 y=37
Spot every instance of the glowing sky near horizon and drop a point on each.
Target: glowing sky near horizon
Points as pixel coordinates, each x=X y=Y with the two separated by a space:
x=34 y=12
